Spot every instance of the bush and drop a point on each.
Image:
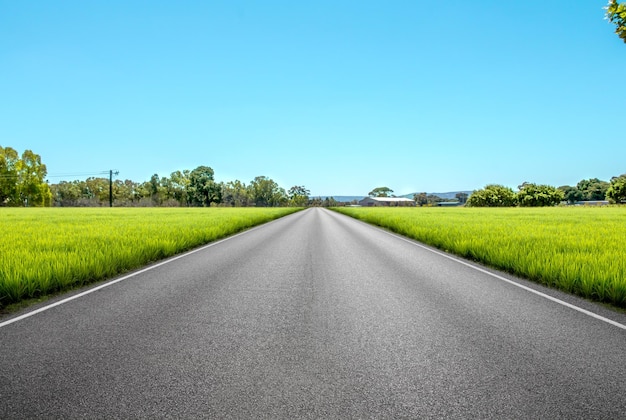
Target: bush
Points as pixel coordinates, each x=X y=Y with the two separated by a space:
x=492 y=195
x=533 y=195
x=617 y=190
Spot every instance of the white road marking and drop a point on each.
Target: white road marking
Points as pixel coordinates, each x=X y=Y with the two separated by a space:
x=112 y=282
x=450 y=257
x=553 y=299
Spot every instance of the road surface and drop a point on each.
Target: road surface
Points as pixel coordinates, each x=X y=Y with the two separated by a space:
x=314 y=315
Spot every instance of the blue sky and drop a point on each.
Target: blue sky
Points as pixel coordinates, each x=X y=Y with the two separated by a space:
x=338 y=96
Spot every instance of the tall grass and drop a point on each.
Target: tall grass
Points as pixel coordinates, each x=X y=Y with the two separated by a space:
x=580 y=250
x=43 y=251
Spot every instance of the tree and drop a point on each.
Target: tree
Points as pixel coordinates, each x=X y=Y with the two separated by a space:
x=533 y=195
x=616 y=13
x=421 y=199
x=380 y=192
x=66 y=194
x=298 y=196
x=236 y=194
x=22 y=179
x=315 y=202
x=203 y=190
x=571 y=194
x=616 y=192
x=125 y=192
x=493 y=195
x=266 y=193
x=330 y=202
x=34 y=190
x=179 y=183
x=593 y=189
x=462 y=197
x=9 y=159
x=97 y=190
x=433 y=199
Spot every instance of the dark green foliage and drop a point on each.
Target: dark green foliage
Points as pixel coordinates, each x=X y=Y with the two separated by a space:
x=593 y=189
x=617 y=190
x=492 y=195
x=203 y=190
x=533 y=195
x=571 y=194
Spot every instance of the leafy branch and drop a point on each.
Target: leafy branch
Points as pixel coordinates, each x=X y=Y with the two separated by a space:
x=616 y=13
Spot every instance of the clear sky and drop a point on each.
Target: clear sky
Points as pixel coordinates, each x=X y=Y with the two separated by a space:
x=340 y=96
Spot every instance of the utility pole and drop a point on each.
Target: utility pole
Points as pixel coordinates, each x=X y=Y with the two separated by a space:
x=111 y=187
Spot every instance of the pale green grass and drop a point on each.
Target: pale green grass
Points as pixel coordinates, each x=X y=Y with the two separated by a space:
x=44 y=251
x=580 y=250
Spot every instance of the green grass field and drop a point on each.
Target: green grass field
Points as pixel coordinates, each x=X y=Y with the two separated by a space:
x=43 y=251
x=581 y=250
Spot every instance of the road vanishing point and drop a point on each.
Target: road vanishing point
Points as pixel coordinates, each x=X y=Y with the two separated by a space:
x=314 y=316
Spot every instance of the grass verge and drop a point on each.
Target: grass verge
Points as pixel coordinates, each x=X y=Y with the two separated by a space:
x=45 y=251
x=579 y=250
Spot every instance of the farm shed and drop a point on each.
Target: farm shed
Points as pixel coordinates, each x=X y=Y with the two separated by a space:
x=386 y=201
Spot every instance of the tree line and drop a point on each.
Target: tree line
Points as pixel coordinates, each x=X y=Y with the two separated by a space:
x=23 y=183
x=534 y=195
x=528 y=194
x=187 y=188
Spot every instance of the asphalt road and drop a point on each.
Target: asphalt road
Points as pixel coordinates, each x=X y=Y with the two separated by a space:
x=314 y=315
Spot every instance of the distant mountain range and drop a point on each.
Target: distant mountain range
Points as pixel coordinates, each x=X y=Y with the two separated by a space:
x=350 y=198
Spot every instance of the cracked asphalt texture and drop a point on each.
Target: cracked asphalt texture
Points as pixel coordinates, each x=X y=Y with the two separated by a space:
x=314 y=315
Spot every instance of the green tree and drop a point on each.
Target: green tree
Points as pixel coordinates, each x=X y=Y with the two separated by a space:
x=421 y=199
x=433 y=199
x=236 y=194
x=155 y=189
x=533 y=195
x=203 y=190
x=22 y=179
x=267 y=193
x=571 y=194
x=616 y=14
x=593 y=189
x=34 y=190
x=315 y=201
x=179 y=183
x=96 y=191
x=493 y=195
x=462 y=197
x=329 y=202
x=380 y=192
x=66 y=194
x=9 y=165
x=298 y=196
x=616 y=192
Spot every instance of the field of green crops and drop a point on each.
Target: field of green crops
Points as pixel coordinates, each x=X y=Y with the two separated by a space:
x=581 y=250
x=47 y=250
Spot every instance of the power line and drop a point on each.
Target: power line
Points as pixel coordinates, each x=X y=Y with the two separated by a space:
x=75 y=174
x=59 y=175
